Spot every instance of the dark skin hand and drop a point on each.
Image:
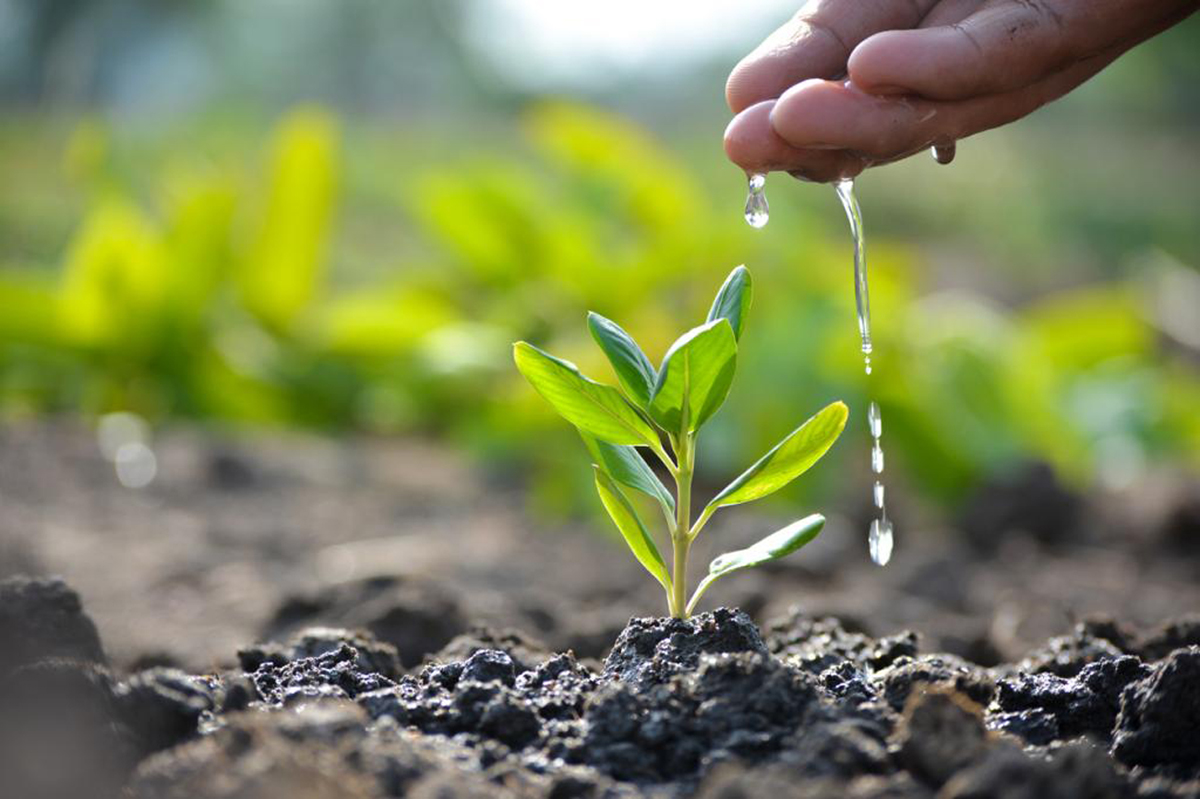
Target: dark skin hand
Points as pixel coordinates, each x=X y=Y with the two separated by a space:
x=848 y=84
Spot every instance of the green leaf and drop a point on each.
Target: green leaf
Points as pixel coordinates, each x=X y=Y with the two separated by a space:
x=284 y=271
x=623 y=464
x=775 y=546
x=592 y=407
x=733 y=300
x=633 y=368
x=631 y=527
x=695 y=377
x=789 y=459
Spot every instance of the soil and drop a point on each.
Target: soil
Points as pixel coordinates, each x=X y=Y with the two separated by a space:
x=293 y=617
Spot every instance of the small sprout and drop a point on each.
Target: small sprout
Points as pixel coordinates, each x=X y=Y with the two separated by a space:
x=674 y=402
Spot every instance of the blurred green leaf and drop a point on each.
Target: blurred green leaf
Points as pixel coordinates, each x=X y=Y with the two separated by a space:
x=630 y=524
x=592 y=407
x=381 y=323
x=789 y=458
x=114 y=280
x=733 y=300
x=695 y=377
x=29 y=303
x=633 y=368
x=284 y=269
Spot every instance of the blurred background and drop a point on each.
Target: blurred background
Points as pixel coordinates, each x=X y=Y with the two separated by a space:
x=335 y=217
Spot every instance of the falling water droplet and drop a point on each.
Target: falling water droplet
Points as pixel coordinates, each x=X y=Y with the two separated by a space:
x=943 y=153
x=880 y=541
x=875 y=420
x=877 y=458
x=758 y=212
x=879 y=495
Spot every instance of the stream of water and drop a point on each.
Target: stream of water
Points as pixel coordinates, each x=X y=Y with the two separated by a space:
x=880 y=537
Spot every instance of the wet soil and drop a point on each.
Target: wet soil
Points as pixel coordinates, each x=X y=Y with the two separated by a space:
x=375 y=619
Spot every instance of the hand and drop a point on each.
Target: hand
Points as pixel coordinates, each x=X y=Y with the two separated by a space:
x=921 y=72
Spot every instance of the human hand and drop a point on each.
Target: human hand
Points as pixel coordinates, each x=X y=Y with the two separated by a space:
x=920 y=73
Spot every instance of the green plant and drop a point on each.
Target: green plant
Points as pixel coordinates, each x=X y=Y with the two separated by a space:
x=675 y=401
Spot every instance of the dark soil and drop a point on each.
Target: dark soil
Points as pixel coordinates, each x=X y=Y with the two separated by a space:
x=297 y=619
x=705 y=706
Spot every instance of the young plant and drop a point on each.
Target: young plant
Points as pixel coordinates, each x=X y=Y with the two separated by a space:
x=674 y=401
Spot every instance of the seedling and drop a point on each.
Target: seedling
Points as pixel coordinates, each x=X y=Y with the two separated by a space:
x=673 y=402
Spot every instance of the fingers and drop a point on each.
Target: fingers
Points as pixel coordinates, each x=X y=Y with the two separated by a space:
x=1000 y=47
x=814 y=44
x=752 y=143
x=828 y=115
x=831 y=115
x=948 y=12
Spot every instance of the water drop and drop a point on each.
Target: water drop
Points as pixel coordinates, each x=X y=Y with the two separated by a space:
x=879 y=495
x=875 y=420
x=758 y=211
x=877 y=458
x=943 y=153
x=880 y=541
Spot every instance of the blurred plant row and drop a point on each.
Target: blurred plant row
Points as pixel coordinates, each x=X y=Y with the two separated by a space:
x=241 y=294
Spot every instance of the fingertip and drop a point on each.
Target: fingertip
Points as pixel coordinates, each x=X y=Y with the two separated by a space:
x=789 y=55
x=878 y=64
x=800 y=115
x=741 y=91
x=750 y=141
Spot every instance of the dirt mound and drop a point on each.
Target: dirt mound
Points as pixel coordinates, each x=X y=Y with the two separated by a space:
x=709 y=706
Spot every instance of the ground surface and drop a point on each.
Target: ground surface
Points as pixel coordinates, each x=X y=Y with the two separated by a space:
x=973 y=665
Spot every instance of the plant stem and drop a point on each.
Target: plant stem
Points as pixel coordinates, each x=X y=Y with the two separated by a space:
x=680 y=539
x=666 y=460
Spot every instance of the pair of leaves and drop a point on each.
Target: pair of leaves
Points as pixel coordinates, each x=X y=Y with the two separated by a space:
x=785 y=462
x=697 y=370
x=778 y=545
x=696 y=375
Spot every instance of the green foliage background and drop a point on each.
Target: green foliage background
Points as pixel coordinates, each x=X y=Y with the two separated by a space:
x=322 y=269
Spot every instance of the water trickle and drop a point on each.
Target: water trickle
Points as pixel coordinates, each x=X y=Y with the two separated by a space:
x=880 y=538
x=758 y=211
x=862 y=295
x=943 y=153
